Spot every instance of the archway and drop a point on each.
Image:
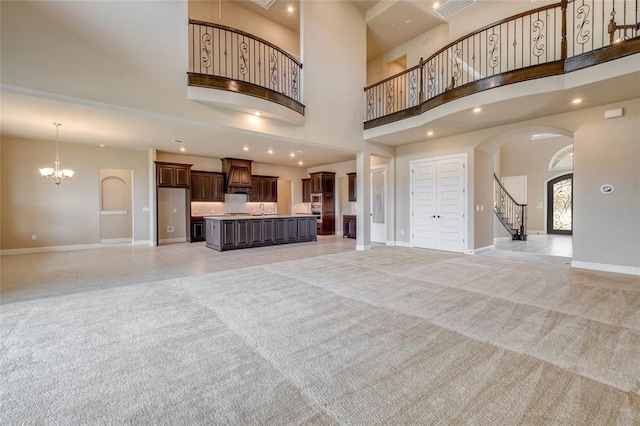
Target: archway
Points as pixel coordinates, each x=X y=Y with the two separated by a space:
x=524 y=153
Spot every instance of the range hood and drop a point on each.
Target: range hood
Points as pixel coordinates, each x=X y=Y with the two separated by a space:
x=238 y=175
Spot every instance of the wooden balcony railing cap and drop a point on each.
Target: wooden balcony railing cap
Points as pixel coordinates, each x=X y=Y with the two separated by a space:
x=234 y=30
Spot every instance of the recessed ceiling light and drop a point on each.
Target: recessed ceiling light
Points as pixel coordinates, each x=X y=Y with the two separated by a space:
x=477 y=109
x=293 y=154
x=436 y=5
x=270 y=151
x=290 y=9
x=408 y=21
x=300 y=163
x=246 y=148
x=429 y=133
x=576 y=101
x=182 y=148
x=102 y=145
x=257 y=113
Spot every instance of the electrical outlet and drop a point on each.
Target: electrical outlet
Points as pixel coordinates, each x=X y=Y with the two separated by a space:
x=34 y=237
x=170 y=228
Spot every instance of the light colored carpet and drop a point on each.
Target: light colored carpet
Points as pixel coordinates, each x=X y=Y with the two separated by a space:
x=388 y=336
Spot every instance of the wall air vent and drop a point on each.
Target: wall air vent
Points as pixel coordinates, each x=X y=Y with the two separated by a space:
x=264 y=3
x=450 y=7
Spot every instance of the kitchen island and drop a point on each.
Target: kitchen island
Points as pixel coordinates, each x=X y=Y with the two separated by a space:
x=245 y=231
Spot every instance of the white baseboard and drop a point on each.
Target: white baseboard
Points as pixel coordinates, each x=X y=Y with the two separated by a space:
x=339 y=233
x=143 y=243
x=363 y=248
x=173 y=240
x=535 y=232
x=49 y=249
x=482 y=249
x=391 y=243
x=403 y=244
x=618 y=269
x=119 y=241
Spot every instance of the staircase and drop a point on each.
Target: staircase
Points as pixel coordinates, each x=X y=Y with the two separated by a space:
x=511 y=214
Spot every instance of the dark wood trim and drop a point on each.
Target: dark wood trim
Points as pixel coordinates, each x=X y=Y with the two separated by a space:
x=233 y=30
x=495 y=24
x=407 y=71
x=222 y=83
x=517 y=76
x=604 y=54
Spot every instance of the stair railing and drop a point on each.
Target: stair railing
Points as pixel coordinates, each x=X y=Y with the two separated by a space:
x=511 y=214
x=550 y=40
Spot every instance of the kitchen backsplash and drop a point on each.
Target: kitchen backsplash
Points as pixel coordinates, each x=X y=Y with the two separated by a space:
x=233 y=203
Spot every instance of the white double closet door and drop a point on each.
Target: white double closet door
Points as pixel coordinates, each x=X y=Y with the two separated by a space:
x=438 y=203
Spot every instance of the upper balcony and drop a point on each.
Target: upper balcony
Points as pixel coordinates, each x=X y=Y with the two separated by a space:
x=232 y=60
x=547 y=41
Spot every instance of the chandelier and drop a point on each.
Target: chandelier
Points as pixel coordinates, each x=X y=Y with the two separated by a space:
x=55 y=174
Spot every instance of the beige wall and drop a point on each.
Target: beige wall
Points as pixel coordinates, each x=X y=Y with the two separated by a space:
x=606 y=151
x=482 y=204
x=531 y=159
x=115 y=205
x=414 y=49
x=607 y=227
x=172 y=204
x=70 y=213
x=238 y=17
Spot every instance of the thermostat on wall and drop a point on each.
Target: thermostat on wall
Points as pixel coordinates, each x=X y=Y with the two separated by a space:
x=606 y=188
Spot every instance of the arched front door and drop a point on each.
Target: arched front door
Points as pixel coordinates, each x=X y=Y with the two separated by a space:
x=560 y=205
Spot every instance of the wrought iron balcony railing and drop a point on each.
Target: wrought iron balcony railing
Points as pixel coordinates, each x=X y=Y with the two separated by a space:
x=546 y=41
x=229 y=59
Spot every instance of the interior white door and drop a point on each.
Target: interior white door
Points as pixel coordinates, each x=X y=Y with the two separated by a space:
x=378 y=205
x=450 y=205
x=423 y=213
x=438 y=202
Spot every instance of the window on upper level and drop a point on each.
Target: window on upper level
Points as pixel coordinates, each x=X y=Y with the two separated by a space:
x=563 y=159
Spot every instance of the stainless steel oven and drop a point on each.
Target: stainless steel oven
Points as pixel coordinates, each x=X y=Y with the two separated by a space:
x=316 y=199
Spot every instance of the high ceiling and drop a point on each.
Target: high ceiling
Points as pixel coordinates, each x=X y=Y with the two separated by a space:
x=394 y=23
x=38 y=88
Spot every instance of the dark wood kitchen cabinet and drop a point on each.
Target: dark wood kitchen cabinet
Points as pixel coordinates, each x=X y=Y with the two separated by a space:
x=237 y=233
x=286 y=230
x=322 y=182
x=307 y=229
x=197 y=229
x=207 y=186
x=264 y=189
x=306 y=190
x=173 y=175
x=352 y=186
x=349 y=226
x=238 y=174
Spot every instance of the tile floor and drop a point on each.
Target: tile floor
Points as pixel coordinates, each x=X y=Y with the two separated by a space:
x=40 y=275
x=550 y=245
